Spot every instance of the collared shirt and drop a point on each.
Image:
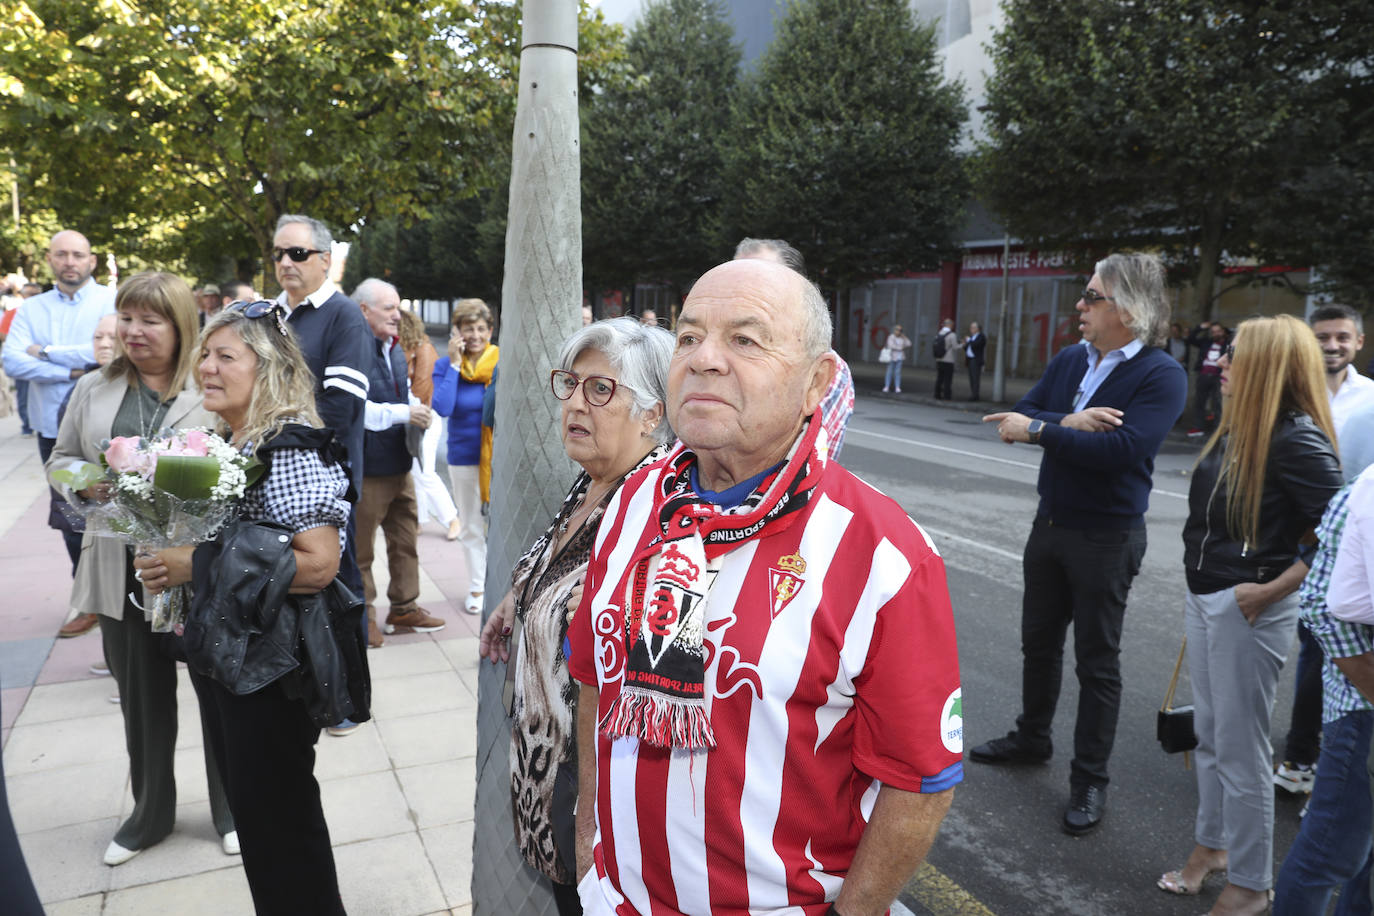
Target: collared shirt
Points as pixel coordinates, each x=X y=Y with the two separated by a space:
x=1338 y=638
x=1355 y=392
x=64 y=325
x=316 y=299
x=1099 y=367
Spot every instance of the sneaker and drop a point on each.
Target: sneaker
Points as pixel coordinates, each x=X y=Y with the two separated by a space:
x=474 y=603
x=99 y=669
x=416 y=619
x=343 y=729
x=230 y=843
x=1196 y=433
x=899 y=391
x=1296 y=778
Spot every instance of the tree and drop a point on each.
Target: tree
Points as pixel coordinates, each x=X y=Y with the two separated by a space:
x=245 y=111
x=845 y=143
x=652 y=181
x=1177 y=125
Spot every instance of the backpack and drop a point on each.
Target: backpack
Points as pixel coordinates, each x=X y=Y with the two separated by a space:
x=938 y=345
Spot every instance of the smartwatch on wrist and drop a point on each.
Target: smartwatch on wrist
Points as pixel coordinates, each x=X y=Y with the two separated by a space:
x=1033 y=430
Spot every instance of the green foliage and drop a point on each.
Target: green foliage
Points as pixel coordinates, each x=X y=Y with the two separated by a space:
x=201 y=112
x=652 y=182
x=1173 y=124
x=844 y=142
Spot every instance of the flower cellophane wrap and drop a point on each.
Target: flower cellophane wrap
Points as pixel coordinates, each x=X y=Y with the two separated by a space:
x=170 y=490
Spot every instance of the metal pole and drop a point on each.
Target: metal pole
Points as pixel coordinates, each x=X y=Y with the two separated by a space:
x=999 y=362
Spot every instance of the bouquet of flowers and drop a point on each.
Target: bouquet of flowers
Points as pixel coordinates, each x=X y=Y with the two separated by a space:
x=177 y=488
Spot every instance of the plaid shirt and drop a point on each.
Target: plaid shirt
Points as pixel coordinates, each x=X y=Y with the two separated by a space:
x=837 y=404
x=1338 y=639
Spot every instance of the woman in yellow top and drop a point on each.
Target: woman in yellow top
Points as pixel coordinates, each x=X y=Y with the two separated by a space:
x=460 y=382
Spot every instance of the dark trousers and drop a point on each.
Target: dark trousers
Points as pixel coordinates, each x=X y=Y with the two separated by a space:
x=1207 y=401
x=70 y=538
x=21 y=400
x=1080 y=578
x=146 y=674
x=16 y=887
x=944 y=380
x=265 y=744
x=975 y=378
x=1304 y=740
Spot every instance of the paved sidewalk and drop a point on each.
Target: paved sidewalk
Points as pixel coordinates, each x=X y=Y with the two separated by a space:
x=398 y=793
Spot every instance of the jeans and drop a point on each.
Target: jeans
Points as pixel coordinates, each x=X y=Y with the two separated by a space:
x=21 y=400
x=1332 y=849
x=893 y=378
x=1080 y=578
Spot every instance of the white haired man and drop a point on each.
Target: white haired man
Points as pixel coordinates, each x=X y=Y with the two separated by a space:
x=770 y=716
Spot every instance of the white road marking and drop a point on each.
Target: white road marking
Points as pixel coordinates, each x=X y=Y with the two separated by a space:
x=969 y=542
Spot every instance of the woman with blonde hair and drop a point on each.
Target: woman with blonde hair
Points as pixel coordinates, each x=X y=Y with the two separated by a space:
x=148 y=386
x=263 y=587
x=430 y=493
x=1261 y=484
x=460 y=383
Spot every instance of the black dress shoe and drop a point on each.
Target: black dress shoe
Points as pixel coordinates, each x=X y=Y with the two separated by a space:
x=1007 y=750
x=1087 y=804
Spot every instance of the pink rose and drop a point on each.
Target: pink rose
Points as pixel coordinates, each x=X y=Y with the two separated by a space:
x=123 y=455
x=197 y=443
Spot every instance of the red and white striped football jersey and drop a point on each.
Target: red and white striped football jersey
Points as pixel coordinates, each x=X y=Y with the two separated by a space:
x=831 y=669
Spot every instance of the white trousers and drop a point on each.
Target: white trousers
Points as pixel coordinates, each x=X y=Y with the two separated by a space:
x=467 y=494
x=430 y=492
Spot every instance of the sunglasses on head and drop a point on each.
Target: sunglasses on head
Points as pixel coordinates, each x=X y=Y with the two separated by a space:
x=260 y=309
x=295 y=253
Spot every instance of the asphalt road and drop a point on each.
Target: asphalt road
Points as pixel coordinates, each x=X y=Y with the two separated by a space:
x=1001 y=850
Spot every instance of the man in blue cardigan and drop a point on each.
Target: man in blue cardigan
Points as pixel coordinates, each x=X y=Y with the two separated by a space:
x=1100 y=413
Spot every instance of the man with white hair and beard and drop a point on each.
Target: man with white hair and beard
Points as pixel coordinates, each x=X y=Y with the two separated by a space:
x=770 y=715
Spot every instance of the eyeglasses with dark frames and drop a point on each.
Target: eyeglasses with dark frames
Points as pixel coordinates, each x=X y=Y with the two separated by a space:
x=260 y=309
x=295 y=253
x=597 y=389
x=1092 y=296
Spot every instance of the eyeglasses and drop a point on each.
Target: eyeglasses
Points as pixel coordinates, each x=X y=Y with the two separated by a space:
x=295 y=253
x=597 y=389
x=1092 y=296
x=260 y=309
x=1230 y=351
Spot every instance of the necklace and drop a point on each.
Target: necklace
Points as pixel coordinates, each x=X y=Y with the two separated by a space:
x=145 y=426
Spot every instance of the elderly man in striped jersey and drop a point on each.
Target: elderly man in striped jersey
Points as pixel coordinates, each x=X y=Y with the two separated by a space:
x=770 y=718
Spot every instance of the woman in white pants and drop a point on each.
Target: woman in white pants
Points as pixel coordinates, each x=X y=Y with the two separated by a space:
x=430 y=492
x=1262 y=483
x=460 y=382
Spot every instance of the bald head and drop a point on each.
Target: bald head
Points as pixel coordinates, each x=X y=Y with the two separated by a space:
x=786 y=287
x=71 y=261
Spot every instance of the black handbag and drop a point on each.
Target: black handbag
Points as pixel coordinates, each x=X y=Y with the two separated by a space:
x=1174 y=724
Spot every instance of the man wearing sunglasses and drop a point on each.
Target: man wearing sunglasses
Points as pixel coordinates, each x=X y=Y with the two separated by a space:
x=337 y=344
x=1100 y=413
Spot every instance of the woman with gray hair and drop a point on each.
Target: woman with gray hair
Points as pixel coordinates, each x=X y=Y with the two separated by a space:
x=612 y=381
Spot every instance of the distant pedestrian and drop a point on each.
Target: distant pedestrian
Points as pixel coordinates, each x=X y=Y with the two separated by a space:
x=1177 y=344
x=1100 y=413
x=974 y=346
x=1207 y=390
x=1262 y=481
x=944 y=346
x=896 y=346
x=432 y=497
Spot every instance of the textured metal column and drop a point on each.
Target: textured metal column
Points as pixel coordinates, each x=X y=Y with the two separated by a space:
x=541 y=300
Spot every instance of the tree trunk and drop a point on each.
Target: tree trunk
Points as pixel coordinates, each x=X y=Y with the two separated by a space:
x=1209 y=261
x=542 y=298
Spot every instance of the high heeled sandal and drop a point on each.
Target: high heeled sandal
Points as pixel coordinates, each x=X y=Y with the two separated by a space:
x=1172 y=882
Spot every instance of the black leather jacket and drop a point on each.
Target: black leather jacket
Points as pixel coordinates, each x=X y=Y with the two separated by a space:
x=1301 y=477
x=245 y=630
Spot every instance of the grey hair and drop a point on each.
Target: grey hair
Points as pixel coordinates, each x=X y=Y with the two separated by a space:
x=816 y=315
x=638 y=353
x=320 y=236
x=364 y=291
x=1137 y=285
x=785 y=253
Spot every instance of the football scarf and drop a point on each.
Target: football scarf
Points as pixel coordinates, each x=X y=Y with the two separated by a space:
x=663 y=698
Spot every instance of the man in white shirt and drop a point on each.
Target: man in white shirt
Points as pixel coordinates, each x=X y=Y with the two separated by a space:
x=1340 y=331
